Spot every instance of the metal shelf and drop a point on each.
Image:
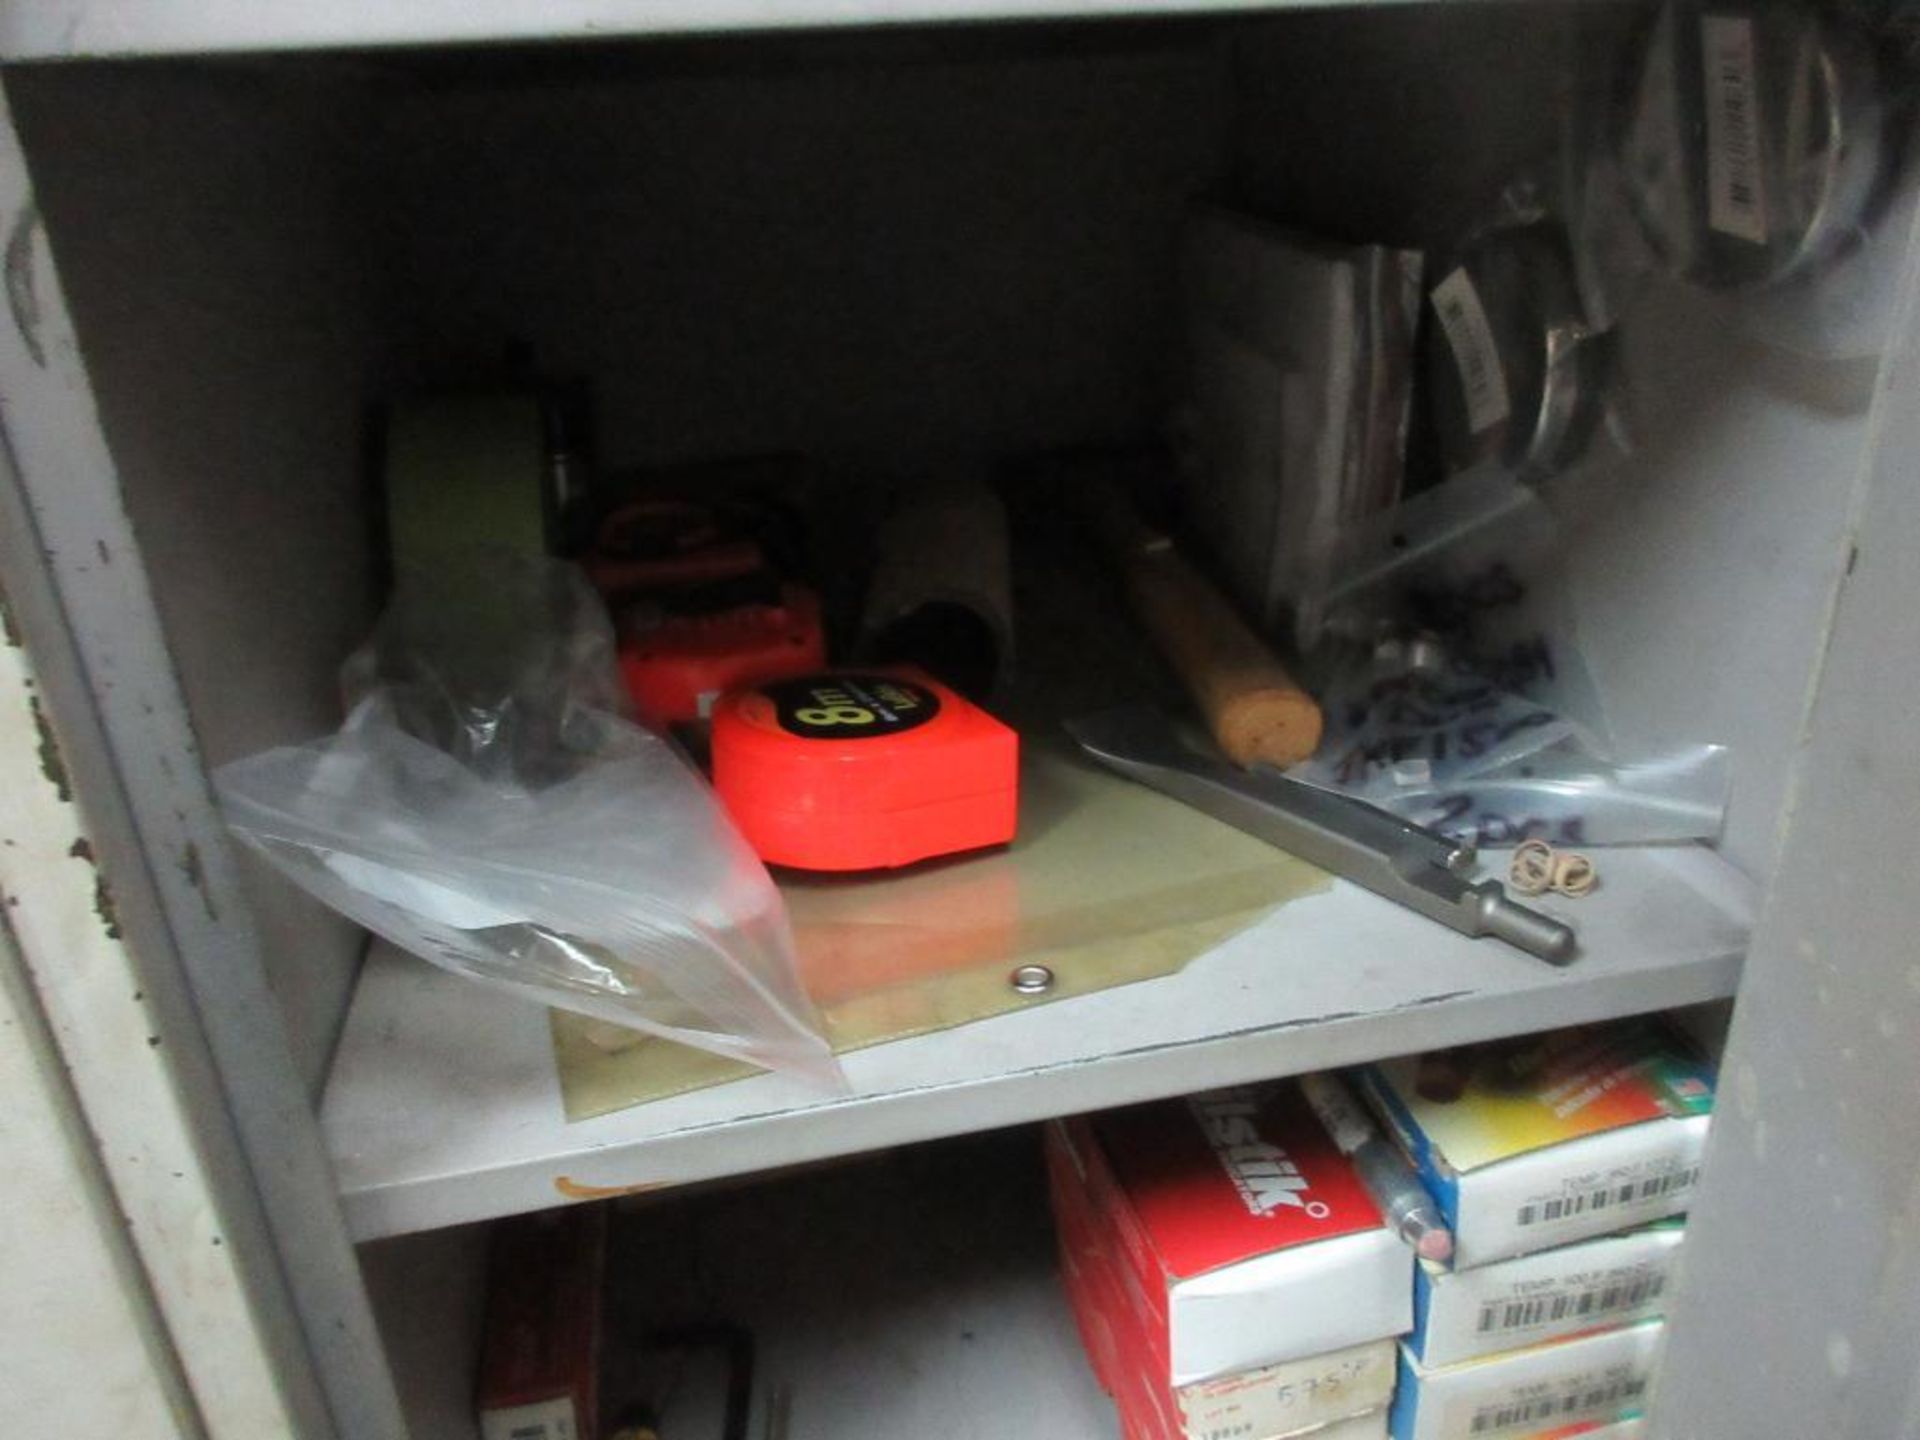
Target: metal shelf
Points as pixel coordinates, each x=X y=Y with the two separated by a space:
x=83 y=29
x=915 y=1294
x=443 y=1105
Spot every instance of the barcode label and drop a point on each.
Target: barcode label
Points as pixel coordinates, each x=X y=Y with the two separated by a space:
x=1531 y=1414
x=1594 y=1303
x=1464 y=321
x=1565 y=1207
x=1736 y=198
x=542 y=1420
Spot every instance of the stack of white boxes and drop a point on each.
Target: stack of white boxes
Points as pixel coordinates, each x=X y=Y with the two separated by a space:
x=1557 y=1160
x=1231 y=1277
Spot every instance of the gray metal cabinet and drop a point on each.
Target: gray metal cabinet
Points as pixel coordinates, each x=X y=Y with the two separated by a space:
x=214 y=261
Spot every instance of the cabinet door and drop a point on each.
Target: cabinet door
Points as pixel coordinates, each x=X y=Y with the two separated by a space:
x=129 y=931
x=1800 y=1314
x=124 y=1310
x=80 y=1350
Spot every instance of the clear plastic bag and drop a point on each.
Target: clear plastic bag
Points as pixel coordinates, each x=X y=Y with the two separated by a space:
x=1517 y=356
x=1413 y=717
x=1456 y=694
x=1565 y=795
x=1744 y=146
x=487 y=807
x=1479 y=563
x=1430 y=736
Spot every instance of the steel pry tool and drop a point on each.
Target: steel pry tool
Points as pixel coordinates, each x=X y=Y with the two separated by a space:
x=1408 y=863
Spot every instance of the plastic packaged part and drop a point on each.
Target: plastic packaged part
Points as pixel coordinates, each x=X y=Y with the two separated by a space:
x=1515 y=374
x=1478 y=566
x=1293 y=404
x=487 y=807
x=1846 y=308
x=1752 y=138
x=1436 y=742
x=1457 y=696
x=1568 y=796
x=1415 y=717
x=490 y=655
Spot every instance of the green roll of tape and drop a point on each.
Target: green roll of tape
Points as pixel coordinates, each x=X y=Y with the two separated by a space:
x=466 y=471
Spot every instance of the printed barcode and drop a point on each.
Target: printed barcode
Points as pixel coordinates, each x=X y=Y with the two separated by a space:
x=1475 y=371
x=1735 y=203
x=1570 y=1304
x=1463 y=320
x=1565 y=1207
x=1548 y=1407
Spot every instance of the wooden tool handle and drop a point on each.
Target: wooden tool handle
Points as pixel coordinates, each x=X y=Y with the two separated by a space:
x=1258 y=713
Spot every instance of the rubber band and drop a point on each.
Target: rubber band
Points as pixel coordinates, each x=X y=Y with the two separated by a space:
x=1574 y=874
x=1532 y=869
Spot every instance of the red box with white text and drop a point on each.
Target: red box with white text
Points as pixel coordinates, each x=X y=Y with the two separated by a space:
x=1228 y=1233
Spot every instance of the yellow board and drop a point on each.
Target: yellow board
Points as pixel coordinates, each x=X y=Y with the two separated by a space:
x=1108 y=883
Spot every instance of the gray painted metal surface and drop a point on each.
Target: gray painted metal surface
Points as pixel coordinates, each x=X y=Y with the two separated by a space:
x=1800 y=1313
x=84 y=603
x=75 y=29
x=1805 y=1291
x=444 y=1105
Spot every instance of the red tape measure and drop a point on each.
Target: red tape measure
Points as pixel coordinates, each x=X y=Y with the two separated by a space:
x=676 y=668
x=863 y=770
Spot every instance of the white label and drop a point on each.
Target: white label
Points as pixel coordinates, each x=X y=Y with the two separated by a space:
x=1581 y=1399
x=1617 y=1193
x=1736 y=196
x=1336 y=1108
x=1284 y=1399
x=546 y=1420
x=1469 y=336
x=1582 y=1307
x=1603 y=1282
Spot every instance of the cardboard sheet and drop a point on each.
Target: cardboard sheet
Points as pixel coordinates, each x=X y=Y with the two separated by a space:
x=1108 y=883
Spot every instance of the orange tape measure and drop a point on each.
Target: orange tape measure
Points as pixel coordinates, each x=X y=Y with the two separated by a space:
x=863 y=769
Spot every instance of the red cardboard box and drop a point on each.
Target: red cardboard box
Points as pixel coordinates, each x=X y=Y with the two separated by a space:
x=1240 y=1233
x=540 y=1352
x=1264 y=1404
x=1235 y=1202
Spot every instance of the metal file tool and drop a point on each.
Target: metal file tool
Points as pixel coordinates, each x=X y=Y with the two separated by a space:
x=1409 y=863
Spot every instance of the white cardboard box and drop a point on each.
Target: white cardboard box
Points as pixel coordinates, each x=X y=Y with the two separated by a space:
x=1613 y=1280
x=1634 y=1429
x=1537 y=1142
x=1523 y=1392
x=1360 y=1427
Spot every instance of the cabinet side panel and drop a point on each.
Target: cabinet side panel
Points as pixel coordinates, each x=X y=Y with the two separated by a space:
x=209 y=240
x=126 y=745
x=1800 y=1312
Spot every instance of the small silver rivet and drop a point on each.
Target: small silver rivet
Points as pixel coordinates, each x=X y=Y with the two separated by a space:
x=1032 y=979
